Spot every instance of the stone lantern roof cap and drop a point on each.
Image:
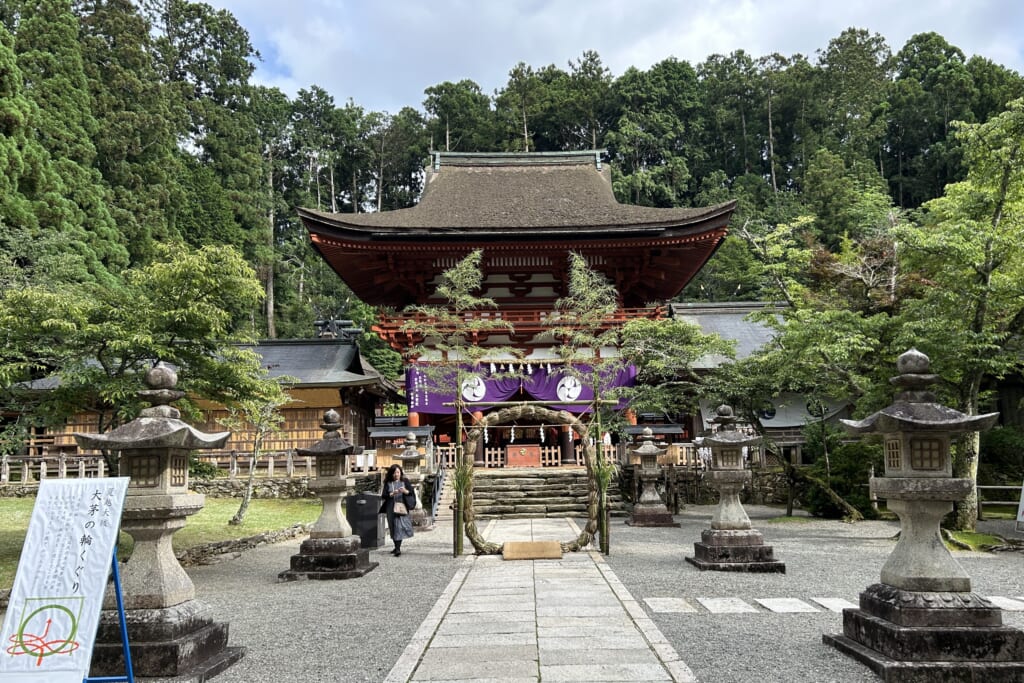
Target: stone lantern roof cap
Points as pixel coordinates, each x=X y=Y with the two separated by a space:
x=152 y=432
x=648 y=447
x=731 y=438
x=906 y=416
x=915 y=407
x=157 y=426
x=333 y=441
x=727 y=434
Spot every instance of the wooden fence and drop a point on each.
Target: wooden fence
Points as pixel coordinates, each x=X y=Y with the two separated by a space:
x=26 y=469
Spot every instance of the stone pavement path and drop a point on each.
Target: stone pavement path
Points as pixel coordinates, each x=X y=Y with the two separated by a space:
x=528 y=620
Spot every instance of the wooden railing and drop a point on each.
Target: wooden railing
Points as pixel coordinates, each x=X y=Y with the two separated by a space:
x=1008 y=499
x=281 y=464
x=31 y=469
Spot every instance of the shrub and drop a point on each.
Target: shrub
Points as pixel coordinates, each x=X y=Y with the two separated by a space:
x=1002 y=457
x=197 y=469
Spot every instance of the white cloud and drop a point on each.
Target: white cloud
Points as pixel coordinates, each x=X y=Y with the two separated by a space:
x=383 y=54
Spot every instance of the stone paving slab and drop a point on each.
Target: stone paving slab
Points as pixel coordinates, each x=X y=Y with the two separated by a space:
x=477 y=617
x=670 y=605
x=623 y=641
x=726 y=605
x=486 y=626
x=835 y=604
x=480 y=639
x=1008 y=604
x=785 y=605
x=574 y=656
x=504 y=653
x=463 y=669
x=605 y=672
x=569 y=619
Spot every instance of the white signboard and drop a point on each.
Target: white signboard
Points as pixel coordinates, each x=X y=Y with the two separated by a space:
x=55 y=604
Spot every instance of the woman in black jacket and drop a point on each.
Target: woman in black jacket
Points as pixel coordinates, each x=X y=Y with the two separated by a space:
x=397 y=488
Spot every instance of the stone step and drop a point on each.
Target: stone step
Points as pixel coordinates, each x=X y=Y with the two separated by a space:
x=527 y=515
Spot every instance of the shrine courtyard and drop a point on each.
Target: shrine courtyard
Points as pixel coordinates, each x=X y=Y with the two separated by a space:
x=639 y=614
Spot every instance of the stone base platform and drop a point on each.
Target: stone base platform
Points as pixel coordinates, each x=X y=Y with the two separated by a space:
x=920 y=637
x=735 y=551
x=651 y=516
x=173 y=642
x=326 y=559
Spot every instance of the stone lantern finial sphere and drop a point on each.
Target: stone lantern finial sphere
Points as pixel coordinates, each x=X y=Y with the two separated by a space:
x=913 y=362
x=724 y=411
x=332 y=420
x=161 y=377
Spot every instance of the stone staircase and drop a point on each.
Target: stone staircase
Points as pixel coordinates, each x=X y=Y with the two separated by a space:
x=524 y=493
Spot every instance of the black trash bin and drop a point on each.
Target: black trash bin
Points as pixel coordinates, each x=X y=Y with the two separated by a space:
x=361 y=513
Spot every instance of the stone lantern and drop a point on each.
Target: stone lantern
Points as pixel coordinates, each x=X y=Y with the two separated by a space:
x=172 y=633
x=922 y=622
x=731 y=544
x=332 y=551
x=649 y=509
x=410 y=458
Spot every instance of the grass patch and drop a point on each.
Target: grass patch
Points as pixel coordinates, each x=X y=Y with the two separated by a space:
x=207 y=526
x=1000 y=512
x=975 y=540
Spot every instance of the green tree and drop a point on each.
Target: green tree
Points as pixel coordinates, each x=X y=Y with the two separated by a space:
x=665 y=352
x=50 y=61
x=856 y=67
x=399 y=146
x=460 y=117
x=995 y=86
x=261 y=414
x=138 y=124
x=656 y=139
x=272 y=113
x=91 y=345
x=732 y=103
x=970 y=253
x=933 y=87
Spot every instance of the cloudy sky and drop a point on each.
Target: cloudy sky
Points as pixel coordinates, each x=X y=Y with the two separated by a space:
x=383 y=53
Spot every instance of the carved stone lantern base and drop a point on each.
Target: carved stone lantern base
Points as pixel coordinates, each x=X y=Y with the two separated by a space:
x=643 y=517
x=921 y=637
x=325 y=559
x=170 y=642
x=649 y=509
x=651 y=515
x=735 y=550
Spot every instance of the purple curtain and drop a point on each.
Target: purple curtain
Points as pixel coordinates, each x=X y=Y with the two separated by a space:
x=424 y=395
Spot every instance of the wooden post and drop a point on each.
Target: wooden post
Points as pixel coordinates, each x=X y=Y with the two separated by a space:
x=270 y=466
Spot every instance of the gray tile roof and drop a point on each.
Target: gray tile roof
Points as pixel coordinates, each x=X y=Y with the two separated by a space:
x=729 y=321
x=315 y=362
